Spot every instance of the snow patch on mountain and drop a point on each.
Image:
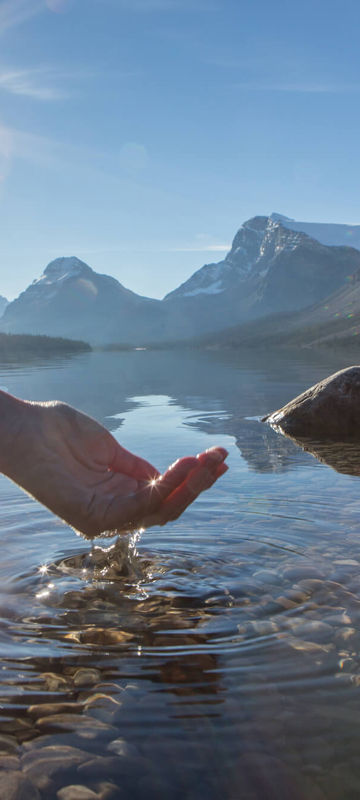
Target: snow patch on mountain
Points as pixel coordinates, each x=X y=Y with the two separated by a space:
x=211 y=288
x=62 y=268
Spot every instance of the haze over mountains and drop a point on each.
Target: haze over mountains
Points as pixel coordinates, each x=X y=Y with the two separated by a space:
x=274 y=266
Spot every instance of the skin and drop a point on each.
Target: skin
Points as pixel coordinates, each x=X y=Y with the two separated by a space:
x=75 y=467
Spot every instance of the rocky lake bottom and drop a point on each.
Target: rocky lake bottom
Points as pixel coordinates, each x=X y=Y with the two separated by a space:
x=218 y=657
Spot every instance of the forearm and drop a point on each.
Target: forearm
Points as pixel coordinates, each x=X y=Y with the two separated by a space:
x=15 y=426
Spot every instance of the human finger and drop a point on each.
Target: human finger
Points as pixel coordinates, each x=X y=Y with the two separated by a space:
x=200 y=479
x=132 y=465
x=131 y=510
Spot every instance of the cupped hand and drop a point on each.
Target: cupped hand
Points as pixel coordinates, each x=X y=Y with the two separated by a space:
x=76 y=468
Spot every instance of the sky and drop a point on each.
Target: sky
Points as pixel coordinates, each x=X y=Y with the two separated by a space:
x=138 y=135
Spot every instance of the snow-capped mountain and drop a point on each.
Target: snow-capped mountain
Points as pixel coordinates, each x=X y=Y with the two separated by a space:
x=70 y=299
x=271 y=267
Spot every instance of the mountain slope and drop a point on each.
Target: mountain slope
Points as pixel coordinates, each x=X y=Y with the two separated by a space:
x=335 y=321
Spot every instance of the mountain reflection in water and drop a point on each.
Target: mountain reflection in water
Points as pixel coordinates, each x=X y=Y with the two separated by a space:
x=215 y=658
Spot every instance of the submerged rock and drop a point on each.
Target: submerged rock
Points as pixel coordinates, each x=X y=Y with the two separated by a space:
x=328 y=410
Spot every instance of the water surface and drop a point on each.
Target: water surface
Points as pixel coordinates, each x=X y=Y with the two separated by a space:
x=217 y=657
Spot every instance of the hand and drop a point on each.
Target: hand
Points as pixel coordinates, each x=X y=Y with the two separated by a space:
x=76 y=468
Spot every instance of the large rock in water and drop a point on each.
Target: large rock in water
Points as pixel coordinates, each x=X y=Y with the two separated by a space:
x=328 y=410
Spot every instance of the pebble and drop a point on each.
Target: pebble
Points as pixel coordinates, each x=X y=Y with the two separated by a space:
x=76 y=792
x=346 y=634
x=14 y=786
x=267 y=576
x=52 y=681
x=43 y=765
x=10 y=762
x=8 y=743
x=104 y=636
x=84 y=726
x=109 y=791
x=48 y=709
x=285 y=602
x=314 y=630
x=309 y=585
x=338 y=619
x=122 y=748
x=302 y=572
x=86 y=677
x=308 y=647
x=263 y=627
x=101 y=700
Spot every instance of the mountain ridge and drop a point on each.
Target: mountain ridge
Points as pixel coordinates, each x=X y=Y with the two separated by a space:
x=270 y=268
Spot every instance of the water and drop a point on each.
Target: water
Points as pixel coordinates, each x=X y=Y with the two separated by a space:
x=217 y=657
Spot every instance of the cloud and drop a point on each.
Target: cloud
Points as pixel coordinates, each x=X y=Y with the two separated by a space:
x=206 y=248
x=23 y=82
x=15 y=12
x=306 y=88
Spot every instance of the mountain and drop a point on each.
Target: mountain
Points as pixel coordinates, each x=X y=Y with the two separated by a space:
x=270 y=268
x=3 y=303
x=70 y=299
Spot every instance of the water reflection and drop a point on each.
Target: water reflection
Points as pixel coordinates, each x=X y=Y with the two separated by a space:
x=341 y=456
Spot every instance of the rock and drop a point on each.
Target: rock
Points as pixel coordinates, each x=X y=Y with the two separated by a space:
x=329 y=409
x=122 y=748
x=52 y=681
x=14 y=786
x=86 y=677
x=9 y=762
x=8 y=743
x=76 y=792
x=299 y=572
x=48 y=709
x=84 y=726
x=45 y=764
x=108 y=791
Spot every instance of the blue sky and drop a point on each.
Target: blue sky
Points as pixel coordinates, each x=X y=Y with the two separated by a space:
x=139 y=134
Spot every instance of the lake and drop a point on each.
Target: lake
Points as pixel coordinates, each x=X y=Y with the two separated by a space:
x=217 y=657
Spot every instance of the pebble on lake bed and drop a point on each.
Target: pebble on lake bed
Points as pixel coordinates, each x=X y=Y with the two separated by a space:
x=76 y=792
x=15 y=786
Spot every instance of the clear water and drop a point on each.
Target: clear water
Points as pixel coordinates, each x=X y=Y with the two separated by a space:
x=217 y=657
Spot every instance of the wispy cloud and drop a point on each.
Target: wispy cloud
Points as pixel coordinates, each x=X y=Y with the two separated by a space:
x=306 y=88
x=27 y=83
x=206 y=248
x=15 y=12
